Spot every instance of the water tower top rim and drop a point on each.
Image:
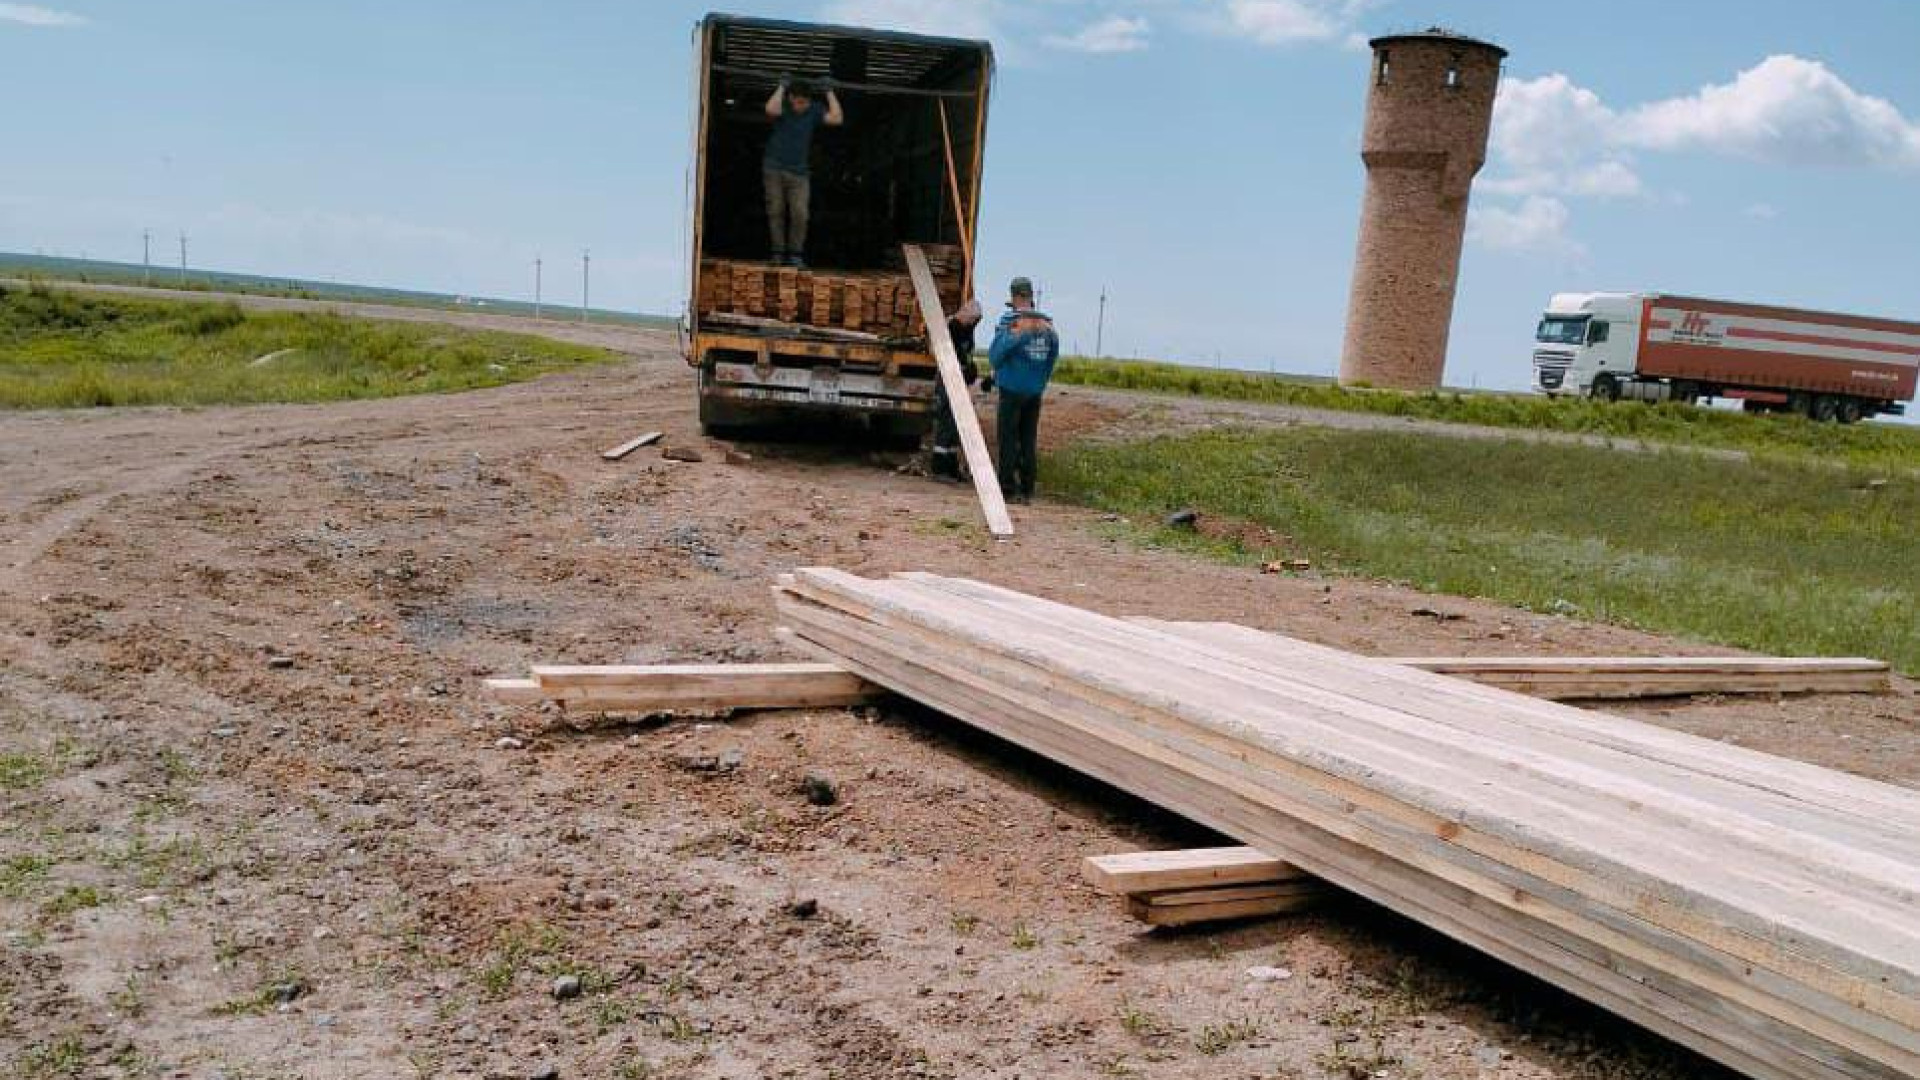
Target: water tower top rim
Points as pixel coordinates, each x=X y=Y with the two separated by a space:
x=1438 y=35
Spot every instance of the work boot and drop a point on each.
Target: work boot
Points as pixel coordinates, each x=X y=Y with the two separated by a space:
x=796 y=262
x=779 y=258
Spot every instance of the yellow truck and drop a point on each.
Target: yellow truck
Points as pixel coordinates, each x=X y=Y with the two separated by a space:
x=843 y=336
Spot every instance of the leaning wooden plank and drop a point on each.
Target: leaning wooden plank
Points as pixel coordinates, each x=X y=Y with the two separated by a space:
x=1189 y=868
x=985 y=483
x=1755 y=993
x=1218 y=911
x=953 y=686
x=630 y=446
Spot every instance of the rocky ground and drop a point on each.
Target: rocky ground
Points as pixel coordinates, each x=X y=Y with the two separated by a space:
x=257 y=820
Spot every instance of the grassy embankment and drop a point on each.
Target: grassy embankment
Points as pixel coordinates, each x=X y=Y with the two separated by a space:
x=1778 y=556
x=71 y=350
x=1876 y=445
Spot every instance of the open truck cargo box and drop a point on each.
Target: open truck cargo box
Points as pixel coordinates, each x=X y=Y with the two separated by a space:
x=843 y=335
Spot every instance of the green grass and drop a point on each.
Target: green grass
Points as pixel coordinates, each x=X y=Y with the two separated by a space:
x=73 y=350
x=1778 y=556
x=1877 y=445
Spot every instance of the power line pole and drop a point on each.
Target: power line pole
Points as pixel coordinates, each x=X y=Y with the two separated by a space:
x=536 y=288
x=586 y=279
x=146 y=256
x=1100 y=328
x=183 y=257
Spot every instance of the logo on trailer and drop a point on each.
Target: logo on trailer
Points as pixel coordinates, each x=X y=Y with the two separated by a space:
x=1693 y=327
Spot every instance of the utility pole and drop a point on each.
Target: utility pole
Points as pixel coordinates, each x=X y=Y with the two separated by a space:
x=1100 y=328
x=183 y=257
x=586 y=279
x=536 y=287
x=146 y=256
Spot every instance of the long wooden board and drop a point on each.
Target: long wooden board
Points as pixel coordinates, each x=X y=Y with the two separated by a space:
x=1757 y=910
x=688 y=687
x=1574 y=678
x=986 y=484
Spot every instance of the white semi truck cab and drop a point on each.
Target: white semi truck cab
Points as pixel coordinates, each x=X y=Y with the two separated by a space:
x=1583 y=336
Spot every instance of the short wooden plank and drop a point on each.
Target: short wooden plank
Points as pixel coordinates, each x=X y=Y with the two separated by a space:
x=680 y=676
x=630 y=446
x=1294 y=887
x=985 y=483
x=1190 y=868
x=515 y=691
x=1192 y=914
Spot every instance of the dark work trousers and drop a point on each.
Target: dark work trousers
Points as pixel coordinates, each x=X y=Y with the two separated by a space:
x=946 y=434
x=1018 y=424
x=788 y=199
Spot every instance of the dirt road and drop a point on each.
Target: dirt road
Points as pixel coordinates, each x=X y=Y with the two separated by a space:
x=256 y=819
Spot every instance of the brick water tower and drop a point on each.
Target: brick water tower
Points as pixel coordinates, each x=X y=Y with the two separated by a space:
x=1429 y=108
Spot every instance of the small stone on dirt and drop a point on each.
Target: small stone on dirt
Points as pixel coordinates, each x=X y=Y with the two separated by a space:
x=286 y=992
x=545 y=1072
x=566 y=988
x=680 y=453
x=1436 y=614
x=1268 y=974
x=804 y=909
x=508 y=742
x=730 y=759
x=279 y=662
x=1183 y=519
x=739 y=457
x=820 y=790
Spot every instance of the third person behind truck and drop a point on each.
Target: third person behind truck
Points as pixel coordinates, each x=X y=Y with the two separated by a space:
x=1023 y=352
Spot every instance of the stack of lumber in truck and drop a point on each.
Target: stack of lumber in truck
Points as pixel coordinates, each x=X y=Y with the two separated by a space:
x=1195 y=885
x=1762 y=911
x=1573 y=677
x=878 y=302
x=663 y=688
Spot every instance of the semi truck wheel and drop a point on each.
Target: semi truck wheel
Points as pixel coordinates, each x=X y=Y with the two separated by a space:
x=1848 y=411
x=1605 y=388
x=1825 y=409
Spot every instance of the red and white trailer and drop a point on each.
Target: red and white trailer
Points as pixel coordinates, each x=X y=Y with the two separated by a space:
x=1656 y=347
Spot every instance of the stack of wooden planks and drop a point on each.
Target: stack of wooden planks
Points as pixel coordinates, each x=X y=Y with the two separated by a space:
x=1762 y=911
x=1196 y=885
x=1579 y=677
x=878 y=302
x=664 y=688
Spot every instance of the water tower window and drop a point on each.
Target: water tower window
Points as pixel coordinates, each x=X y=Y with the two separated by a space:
x=1386 y=64
x=1453 y=72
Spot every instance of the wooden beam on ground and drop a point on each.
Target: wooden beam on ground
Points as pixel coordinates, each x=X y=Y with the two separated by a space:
x=630 y=446
x=688 y=687
x=1191 y=906
x=1189 y=868
x=1573 y=677
x=986 y=483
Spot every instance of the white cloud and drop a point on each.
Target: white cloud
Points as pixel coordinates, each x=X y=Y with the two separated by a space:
x=1783 y=109
x=1762 y=211
x=1537 y=225
x=1113 y=34
x=1554 y=140
x=1282 y=22
x=35 y=15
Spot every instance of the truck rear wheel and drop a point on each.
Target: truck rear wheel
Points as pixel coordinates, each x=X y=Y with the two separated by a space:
x=1848 y=411
x=1605 y=388
x=1825 y=409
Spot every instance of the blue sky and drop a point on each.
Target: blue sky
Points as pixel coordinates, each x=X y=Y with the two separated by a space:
x=1195 y=158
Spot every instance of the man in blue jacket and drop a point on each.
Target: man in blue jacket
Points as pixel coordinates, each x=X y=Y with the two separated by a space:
x=1023 y=352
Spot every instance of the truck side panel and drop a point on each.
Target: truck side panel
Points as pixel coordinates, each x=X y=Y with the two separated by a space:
x=1743 y=345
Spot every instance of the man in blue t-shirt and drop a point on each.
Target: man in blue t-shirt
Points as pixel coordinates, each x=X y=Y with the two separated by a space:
x=1023 y=352
x=795 y=115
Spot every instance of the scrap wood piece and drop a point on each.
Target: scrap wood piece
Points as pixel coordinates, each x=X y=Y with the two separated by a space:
x=688 y=687
x=1198 y=910
x=630 y=446
x=974 y=445
x=1187 y=868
